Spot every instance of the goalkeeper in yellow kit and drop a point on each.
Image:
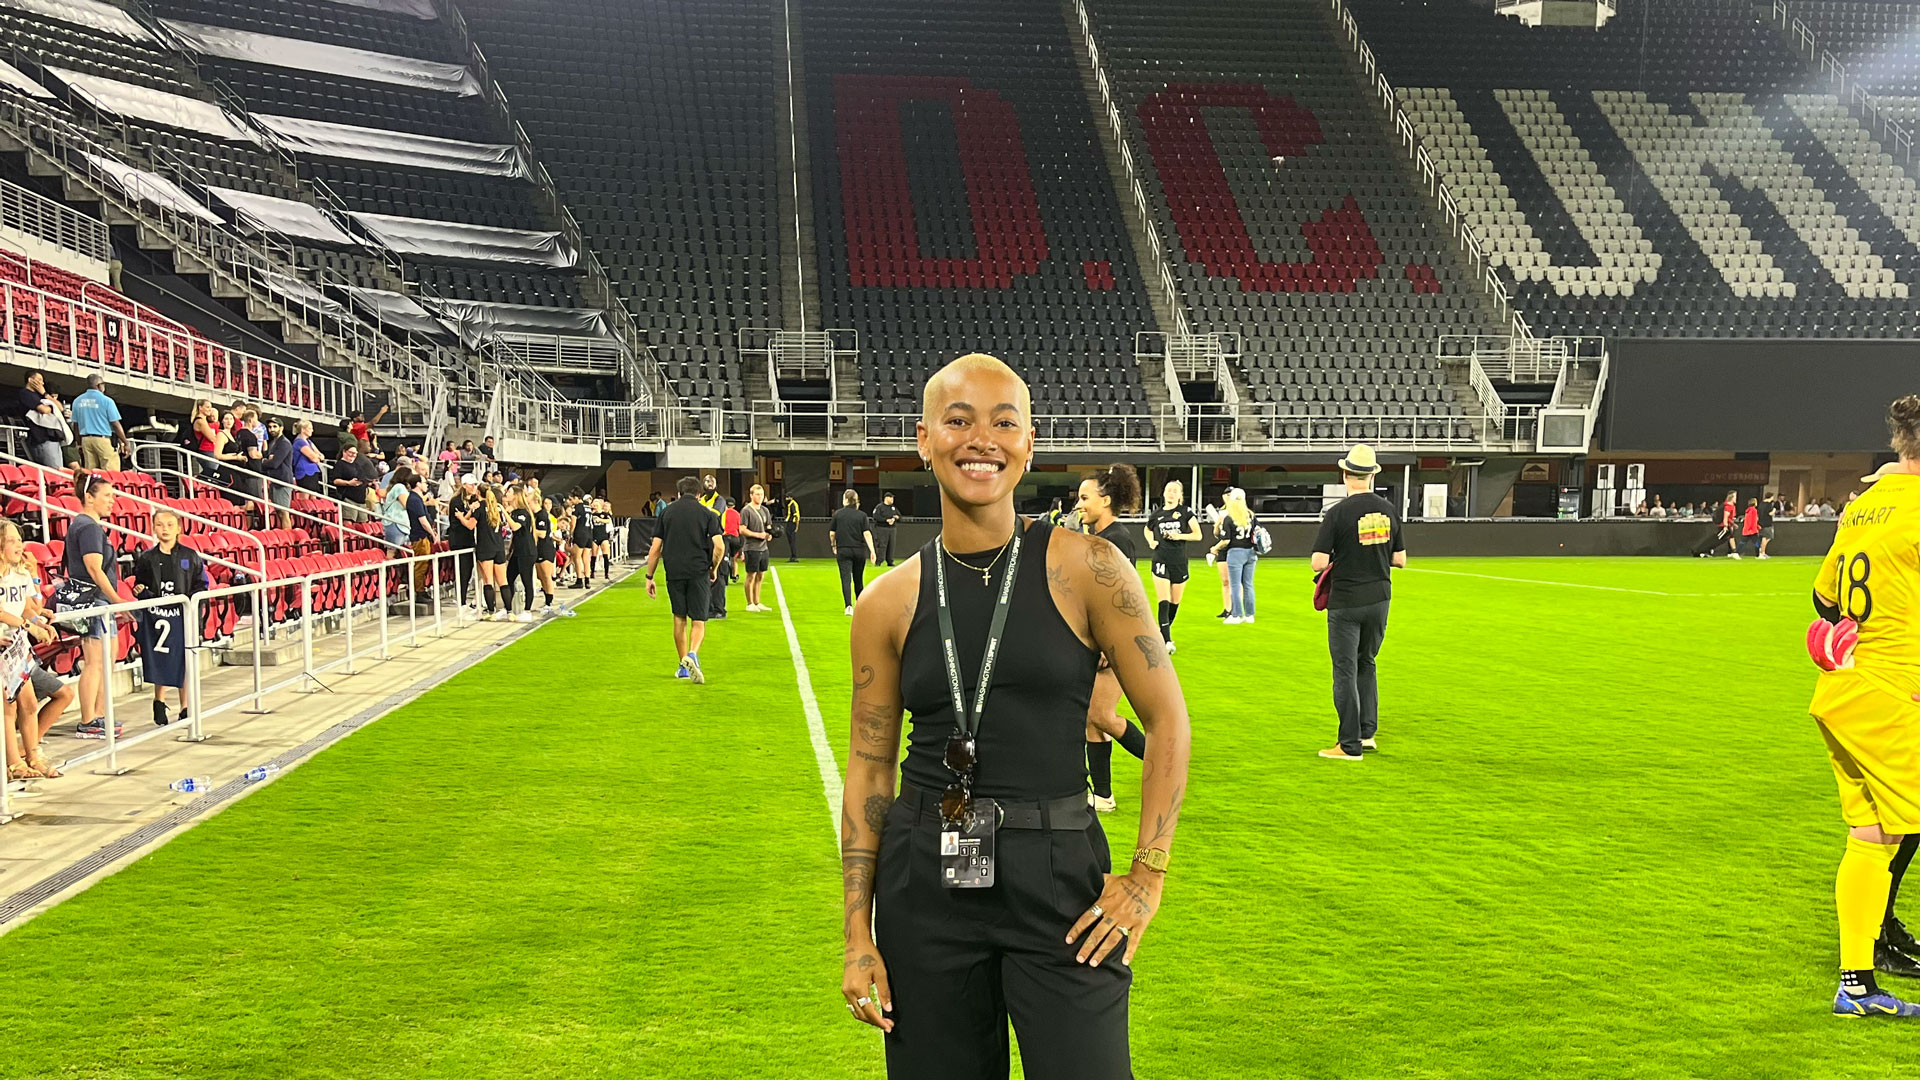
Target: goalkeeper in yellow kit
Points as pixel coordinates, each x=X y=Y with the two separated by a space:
x=1867 y=705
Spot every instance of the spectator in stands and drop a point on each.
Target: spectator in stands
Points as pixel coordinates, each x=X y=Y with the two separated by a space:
x=46 y=422
x=851 y=535
x=1640 y=508
x=1656 y=510
x=96 y=419
x=278 y=466
x=1825 y=510
x=307 y=458
x=468 y=452
x=422 y=533
x=20 y=615
x=251 y=477
x=360 y=429
x=90 y=556
x=756 y=530
x=205 y=441
x=486 y=449
x=348 y=486
x=394 y=519
x=790 y=517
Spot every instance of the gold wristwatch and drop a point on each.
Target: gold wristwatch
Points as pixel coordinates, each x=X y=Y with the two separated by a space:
x=1152 y=858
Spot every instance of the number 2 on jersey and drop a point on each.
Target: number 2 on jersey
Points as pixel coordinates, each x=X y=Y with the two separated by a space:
x=1856 y=599
x=162 y=630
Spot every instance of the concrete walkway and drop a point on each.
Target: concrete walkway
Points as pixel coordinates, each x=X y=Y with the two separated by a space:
x=86 y=824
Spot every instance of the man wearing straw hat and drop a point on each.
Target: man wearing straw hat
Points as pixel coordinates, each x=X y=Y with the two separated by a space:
x=1359 y=545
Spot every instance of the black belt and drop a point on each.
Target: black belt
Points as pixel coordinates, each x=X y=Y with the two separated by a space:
x=1069 y=813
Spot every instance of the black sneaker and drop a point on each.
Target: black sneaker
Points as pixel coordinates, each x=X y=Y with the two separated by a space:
x=1895 y=933
x=1892 y=961
x=160 y=716
x=1223 y=614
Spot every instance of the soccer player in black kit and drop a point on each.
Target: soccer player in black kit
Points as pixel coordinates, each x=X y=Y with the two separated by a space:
x=1038 y=932
x=1169 y=530
x=1103 y=497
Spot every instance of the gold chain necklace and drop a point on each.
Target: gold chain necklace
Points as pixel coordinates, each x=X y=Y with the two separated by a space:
x=983 y=570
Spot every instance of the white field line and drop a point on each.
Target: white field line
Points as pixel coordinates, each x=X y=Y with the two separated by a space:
x=1579 y=585
x=816 y=728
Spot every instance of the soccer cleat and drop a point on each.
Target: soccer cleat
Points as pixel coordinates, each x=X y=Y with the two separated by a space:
x=1877 y=1004
x=694 y=673
x=161 y=718
x=1336 y=753
x=1894 y=932
x=1367 y=744
x=1172 y=648
x=1891 y=960
x=1100 y=805
x=849 y=609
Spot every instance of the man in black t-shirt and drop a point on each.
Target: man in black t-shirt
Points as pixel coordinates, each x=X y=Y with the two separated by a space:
x=463 y=512
x=1359 y=545
x=690 y=542
x=885 y=517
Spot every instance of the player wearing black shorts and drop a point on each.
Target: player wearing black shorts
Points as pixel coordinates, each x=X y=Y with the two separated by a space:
x=1169 y=529
x=546 y=550
x=603 y=537
x=169 y=569
x=1103 y=497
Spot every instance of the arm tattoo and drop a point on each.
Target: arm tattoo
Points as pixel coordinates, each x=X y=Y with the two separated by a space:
x=1057 y=578
x=877 y=725
x=1104 y=560
x=856 y=872
x=1151 y=648
x=863 y=678
x=1164 y=821
x=1131 y=600
x=877 y=759
x=877 y=812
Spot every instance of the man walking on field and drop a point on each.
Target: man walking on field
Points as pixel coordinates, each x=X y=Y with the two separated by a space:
x=1359 y=545
x=689 y=541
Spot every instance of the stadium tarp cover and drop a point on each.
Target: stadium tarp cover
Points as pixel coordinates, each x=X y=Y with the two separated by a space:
x=350 y=142
x=286 y=217
x=476 y=320
x=20 y=80
x=152 y=187
x=249 y=47
x=88 y=13
x=292 y=288
x=156 y=106
x=397 y=310
x=419 y=9
x=470 y=243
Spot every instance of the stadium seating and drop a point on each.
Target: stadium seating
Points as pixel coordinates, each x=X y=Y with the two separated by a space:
x=1659 y=177
x=657 y=123
x=1287 y=213
x=1877 y=40
x=962 y=202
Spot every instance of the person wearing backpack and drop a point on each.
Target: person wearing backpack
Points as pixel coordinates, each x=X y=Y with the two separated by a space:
x=1237 y=531
x=1359 y=546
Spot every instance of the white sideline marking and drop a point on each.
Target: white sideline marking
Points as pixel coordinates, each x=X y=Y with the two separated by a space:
x=1578 y=585
x=816 y=728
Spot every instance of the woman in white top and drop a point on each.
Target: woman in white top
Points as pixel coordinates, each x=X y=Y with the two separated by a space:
x=19 y=609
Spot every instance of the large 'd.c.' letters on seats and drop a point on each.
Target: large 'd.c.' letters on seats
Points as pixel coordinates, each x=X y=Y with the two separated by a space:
x=1204 y=211
x=883 y=247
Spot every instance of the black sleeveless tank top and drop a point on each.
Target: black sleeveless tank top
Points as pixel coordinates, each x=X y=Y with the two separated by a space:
x=1032 y=739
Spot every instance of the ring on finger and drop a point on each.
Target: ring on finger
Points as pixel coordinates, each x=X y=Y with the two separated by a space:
x=1098 y=911
x=1125 y=931
x=849 y=1008
x=863 y=1002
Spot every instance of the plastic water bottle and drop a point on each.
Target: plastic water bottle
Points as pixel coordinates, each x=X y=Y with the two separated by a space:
x=192 y=785
x=259 y=773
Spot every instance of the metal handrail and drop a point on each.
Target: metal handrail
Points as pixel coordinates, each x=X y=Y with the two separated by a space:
x=211 y=462
x=48 y=512
x=201 y=481
x=54 y=222
x=41 y=471
x=1893 y=133
x=329 y=395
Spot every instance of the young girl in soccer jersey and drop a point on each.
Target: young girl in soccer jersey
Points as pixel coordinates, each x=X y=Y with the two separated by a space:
x=170 y=568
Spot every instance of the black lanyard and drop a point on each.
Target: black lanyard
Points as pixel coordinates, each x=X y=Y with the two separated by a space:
x=968 y=722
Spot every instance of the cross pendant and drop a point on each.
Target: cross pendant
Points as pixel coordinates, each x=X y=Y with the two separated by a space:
x=984 y=579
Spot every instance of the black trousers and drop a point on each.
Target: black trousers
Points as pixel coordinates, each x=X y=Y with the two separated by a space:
x=519 y=571
x=961 y=962
x=717 y=591
x=1353 y=638
x=1729 y=537
x=463 y=572
x=793 y=541
x=853 y=577
x=882 y=545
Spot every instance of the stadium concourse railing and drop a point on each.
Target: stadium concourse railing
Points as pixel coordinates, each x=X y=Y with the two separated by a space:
x=198 y=468
x=1893 y=135
x=347 y=605
x=59 y=225
x=80 y=338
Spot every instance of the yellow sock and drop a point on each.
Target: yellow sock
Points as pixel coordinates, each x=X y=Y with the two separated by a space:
x=1860 y=893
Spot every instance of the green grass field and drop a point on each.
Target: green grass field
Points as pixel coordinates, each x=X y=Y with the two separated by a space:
x=1598 y=842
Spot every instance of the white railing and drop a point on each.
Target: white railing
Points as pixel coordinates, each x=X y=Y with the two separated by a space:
x=54 y=222
x=1162 y=268
x=1521 y=360
x=1430 y=172
x=562 y=352
x=84 y=338
x=345 y=596
x=1891 y=133
x=222 y=251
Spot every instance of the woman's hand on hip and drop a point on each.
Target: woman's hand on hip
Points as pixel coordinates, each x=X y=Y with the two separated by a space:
x=1126 y=905
x=864 y=985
